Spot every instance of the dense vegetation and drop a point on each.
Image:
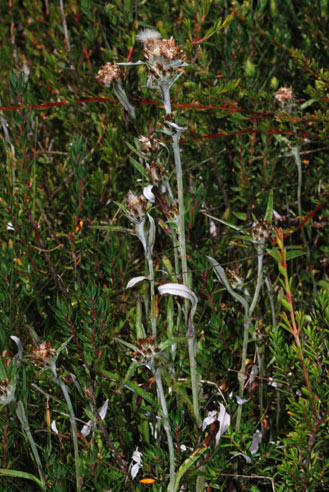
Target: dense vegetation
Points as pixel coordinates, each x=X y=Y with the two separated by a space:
x=112 y=376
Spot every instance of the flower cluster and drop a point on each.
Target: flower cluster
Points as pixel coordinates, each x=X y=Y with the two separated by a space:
x=136 y=206
x=156 y=172
x=261 y=231
x=109 y=73
x=234 y=277
x=148 y=144
x=146 y=350
x=285 y=96
x=165 y=59
x=7 y=392
x=43 y=354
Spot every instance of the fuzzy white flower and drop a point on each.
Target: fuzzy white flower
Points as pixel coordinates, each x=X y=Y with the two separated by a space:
x=7 y=392
x=148 y=36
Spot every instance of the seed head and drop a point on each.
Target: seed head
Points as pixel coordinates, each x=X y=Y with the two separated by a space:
x=43 y=354
x=7 y=392
x=148 y=144
x=261 y=231
x=285 y=95
x=165 y=49
x=109 y=73
x=136 y=206
x=147 y=36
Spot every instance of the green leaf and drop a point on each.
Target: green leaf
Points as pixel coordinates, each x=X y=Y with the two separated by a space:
x=269 y=208
x=171 y=341
x=130 y=384
x=283 y=271
x=240 y=215
x=225 y=223
x=137 y=165
x=286 y=304
x=275 y=254
x=20 y=474
x=324 y=284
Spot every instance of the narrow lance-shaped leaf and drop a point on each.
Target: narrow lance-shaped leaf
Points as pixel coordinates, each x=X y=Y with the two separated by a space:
x=150 y=236
x=269 y=208
x=228 y=224
x=220 y=272
x=20 y=474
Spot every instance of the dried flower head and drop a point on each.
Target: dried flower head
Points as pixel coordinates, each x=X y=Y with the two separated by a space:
x=43 y=353
x=136 y=206
x=109 y=73
x=146 y=350
x=148 y=144
x=285 y=96
x=148 y=36
x=7 y=392
x=165 y=60
x=234 y=277
x=156 y=172
x=261 y=231
x=165 y=49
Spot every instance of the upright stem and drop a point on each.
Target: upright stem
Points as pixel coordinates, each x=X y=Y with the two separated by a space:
x=166 y=425
x=260 y=257
x=181 y=207
x=166 y=97
x=152 y=293
x=182 y=250
x=246 y=328
x=26 y=428
x=74 y=433
x=296 y=153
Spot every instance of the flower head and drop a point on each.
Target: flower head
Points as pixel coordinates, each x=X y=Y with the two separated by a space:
x=261 y=231
x=7 y=392
x=147 y=352
x=285 y=95
x=148 y=144
x=164 y=48
x=109 y=73
x=164 y=59
x=136 y=206
x=43 y=354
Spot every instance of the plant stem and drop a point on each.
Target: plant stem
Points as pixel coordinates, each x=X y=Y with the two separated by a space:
x=152 y=293
x=296 y=154
x=181 y=207
x=246 y=329
x=165 y=89
x=74 y=432
x=182 y=249
x=20 y=412
x=166 y=425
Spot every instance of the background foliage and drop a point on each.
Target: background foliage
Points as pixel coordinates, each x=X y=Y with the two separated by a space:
x=64 y=266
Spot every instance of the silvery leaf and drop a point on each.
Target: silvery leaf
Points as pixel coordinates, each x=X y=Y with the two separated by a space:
x=135 y=280
x=53 y=427
x=103 y=410
x=150 y=235
x=222 y=417
x=19 y=346
x=256 y=440
x=247 y=458
x=148 y=193
x=241 y=401
x=182 y=291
